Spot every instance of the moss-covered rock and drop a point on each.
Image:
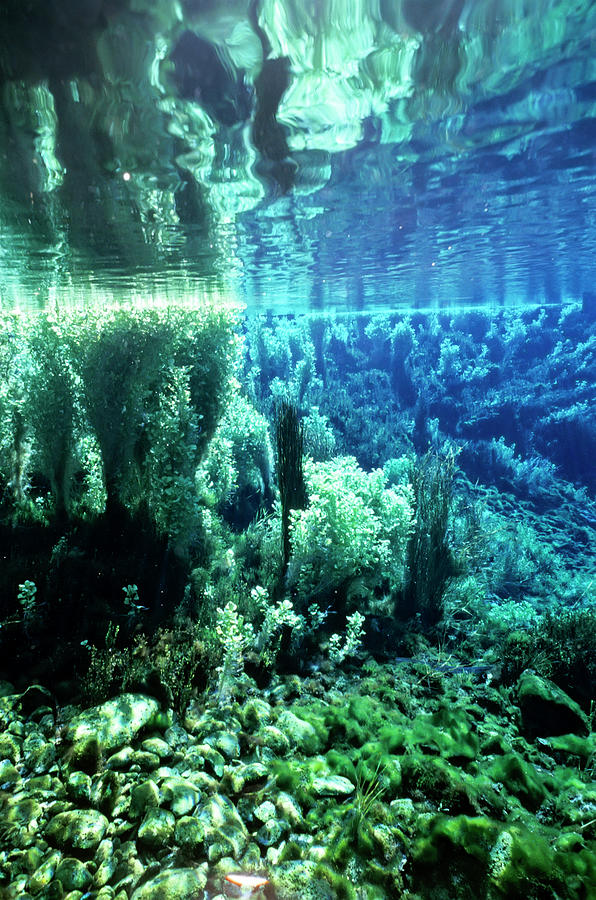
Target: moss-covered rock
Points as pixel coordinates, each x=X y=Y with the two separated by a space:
x=114 y=723
x=546 y=709
x=77 y=829
x=157 y=829
x=173 y=884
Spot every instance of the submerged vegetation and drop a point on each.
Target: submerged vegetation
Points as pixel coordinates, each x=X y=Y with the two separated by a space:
x=348 y=564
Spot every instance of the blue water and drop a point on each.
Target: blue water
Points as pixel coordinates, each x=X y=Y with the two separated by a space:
x=457 y=173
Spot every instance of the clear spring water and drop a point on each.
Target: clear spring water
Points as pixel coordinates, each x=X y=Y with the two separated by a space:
x=339 y=155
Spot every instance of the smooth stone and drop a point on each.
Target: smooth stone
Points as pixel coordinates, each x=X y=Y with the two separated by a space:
x=298 y=878
x=21 y=811
x=157 y=746
x=116 y=722
x=237 y=777
x=72 y=874
x=289 y=809
x=332 y=786
x=265 y=811
x=9 y=775
x=189 y=832
x=213 y=758
x=45 y=872
x=104 y=851
x=176 y=736
x=32 y=859
x=147 y=762
x=157 y=829
x=173 y=884
x=256 y=713
x=80 y=829
x=120 y=760
x=105 y=871
x=144 y=796
x=40 y=786
x=181 y=795
x=301 y=734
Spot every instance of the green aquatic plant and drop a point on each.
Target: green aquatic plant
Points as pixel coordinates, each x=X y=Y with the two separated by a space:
x=125 y=399
x=235 y=635
x=342 y=646
x=354 y=526
x=431 y=561
x=289 y=442
x=30 y=605
x=236 y=473
x=53 y=408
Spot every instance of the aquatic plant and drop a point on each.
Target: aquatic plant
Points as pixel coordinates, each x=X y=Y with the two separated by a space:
x=30 y=605
x=136 y=393
x=354 y=526
x=235 y=636
x=560 y=646
x=289 y=442
x=431 y=561
x=53 y=408
x=236 y=473
x=342 y=646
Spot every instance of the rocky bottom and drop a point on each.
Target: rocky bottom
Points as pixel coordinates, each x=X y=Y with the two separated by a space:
x=405 y=780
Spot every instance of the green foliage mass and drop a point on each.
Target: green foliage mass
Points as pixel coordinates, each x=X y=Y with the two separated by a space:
x=135 y=393
x=239 y=460
x=354 y=525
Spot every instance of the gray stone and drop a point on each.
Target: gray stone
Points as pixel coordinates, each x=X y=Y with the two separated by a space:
x=147 y=762
x=45 y=873
x=271 y=832
x=78 y=786
x=39 y=755
x=21 y=811
x=265 y=811
x=144 y=796
x=122 y=759
x=297 y=880
x=9 y=748
x=276 y=740
x=225 y=832
x=105 y=871
x=158 y=746
x=9 y=775
x=289 y=809
x=238 y=777
x=256 y=713
x=225 y=742
x=213 y=759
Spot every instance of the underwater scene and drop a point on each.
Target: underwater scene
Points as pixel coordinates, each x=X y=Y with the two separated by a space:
x=297 y=450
